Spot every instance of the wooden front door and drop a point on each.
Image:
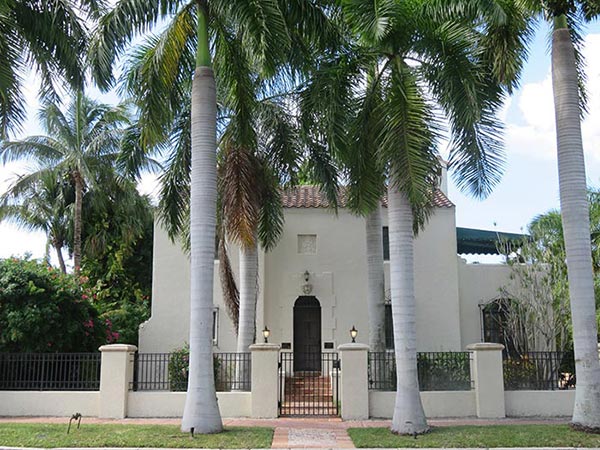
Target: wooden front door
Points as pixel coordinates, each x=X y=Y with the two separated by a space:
x=307 y=334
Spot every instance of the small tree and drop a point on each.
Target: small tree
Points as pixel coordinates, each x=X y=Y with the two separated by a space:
x=535 y=302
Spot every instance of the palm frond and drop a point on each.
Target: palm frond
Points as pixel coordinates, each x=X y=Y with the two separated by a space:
x=270 y=220
x=231 y=294
x=408 y=143
x=175 y=181
x=117 y=28
x=158 y=75
x=240 y=195
x=40 y=148
x=12 y=101
x=261 y=29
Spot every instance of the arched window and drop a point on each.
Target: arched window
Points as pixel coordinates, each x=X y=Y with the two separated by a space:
x=495 y=324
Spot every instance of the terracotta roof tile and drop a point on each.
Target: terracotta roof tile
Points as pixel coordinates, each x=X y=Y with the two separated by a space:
x=312 y=197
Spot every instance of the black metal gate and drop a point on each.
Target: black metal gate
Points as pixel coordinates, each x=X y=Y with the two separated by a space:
x=309 y=392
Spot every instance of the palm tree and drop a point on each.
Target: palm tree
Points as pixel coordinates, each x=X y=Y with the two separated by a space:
x=408 y=61
x=566 y=15
x=41 y=205
x=81 y=143
x=49 y=37
x=236 y=32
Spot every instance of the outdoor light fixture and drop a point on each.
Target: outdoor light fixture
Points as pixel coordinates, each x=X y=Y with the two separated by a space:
x=353 y=334
x=266 y=333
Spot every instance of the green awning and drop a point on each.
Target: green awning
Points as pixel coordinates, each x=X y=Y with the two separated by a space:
x=483 y=242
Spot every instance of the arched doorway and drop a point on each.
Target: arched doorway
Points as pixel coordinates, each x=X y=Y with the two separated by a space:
x=307 y=334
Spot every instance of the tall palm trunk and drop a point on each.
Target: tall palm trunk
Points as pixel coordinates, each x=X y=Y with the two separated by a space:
x=248 y=295
x=375 y=281
x=576 y=225
x=201 y=412
x=59 y=255
x=77 y=220
x=409 y=417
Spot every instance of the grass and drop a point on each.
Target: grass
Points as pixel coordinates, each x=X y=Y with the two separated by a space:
x=94 y=435
x=478 y=436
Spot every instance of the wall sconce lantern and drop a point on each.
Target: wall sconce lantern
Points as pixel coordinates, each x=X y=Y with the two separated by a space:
x=306 y=287
x=353 y=334
x=266 y=333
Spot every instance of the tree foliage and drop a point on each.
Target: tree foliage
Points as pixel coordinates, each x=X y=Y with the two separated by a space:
x=44 y=310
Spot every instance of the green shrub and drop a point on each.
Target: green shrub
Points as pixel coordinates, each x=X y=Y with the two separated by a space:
x=44 y=310
x=519 y=373
x=179 y=370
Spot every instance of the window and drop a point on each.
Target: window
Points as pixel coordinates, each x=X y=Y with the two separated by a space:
x=494 y=324
x=389 y=327
x=386 y=243
x=215 y=326
x=307 y=244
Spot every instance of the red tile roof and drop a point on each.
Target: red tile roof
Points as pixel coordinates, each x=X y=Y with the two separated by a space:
x=312 y=197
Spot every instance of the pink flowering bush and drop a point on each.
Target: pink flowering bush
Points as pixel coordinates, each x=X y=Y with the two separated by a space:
x=44 y=310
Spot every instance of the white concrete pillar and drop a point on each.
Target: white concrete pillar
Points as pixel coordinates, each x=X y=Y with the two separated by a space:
x=265 y=360
x=354 y=389
x=115 y=376
x=488 y=379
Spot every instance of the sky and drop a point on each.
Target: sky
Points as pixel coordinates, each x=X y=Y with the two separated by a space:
x=530 y=183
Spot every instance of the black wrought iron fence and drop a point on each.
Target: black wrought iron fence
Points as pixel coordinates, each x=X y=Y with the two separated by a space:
x=540 y=371
x=50 y=371
x=437 y=371
x=169 y=371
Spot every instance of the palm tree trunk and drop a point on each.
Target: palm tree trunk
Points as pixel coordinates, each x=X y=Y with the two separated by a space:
x=59 y=255
x=77 y=220
x=248 y=295
x=576 y=225
x=201 y=412
x=375 y=281
x=409 y=417
x=247 y=317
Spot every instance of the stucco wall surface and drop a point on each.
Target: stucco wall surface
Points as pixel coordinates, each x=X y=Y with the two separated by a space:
x=170 y=404
x=539 y=403
x=437 y=404
x=48 y=403
x=338 y=277
x=478 y=284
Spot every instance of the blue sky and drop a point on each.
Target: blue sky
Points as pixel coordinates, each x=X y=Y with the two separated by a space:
x=530 y=184
x=528 y=188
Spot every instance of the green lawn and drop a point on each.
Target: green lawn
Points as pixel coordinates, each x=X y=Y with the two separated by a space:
x=478 y=436
x=55 y=435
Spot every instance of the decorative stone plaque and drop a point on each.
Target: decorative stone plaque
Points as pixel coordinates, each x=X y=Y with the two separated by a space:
x=307 y=244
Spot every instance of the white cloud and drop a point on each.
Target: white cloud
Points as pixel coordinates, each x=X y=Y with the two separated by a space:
x=534 y=134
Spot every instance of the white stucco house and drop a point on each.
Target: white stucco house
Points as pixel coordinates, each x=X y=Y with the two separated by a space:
x=327 y=252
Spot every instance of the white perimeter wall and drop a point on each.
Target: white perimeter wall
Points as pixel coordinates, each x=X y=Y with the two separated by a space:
x=437 y=404
x=170 y=404
x=47 y=403
x=539 y=403
x=139 y=404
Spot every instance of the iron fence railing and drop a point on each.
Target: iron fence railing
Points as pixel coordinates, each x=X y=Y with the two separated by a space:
x=169 y=371
x=50 y=371
x=437 y=371
x=540 y=371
